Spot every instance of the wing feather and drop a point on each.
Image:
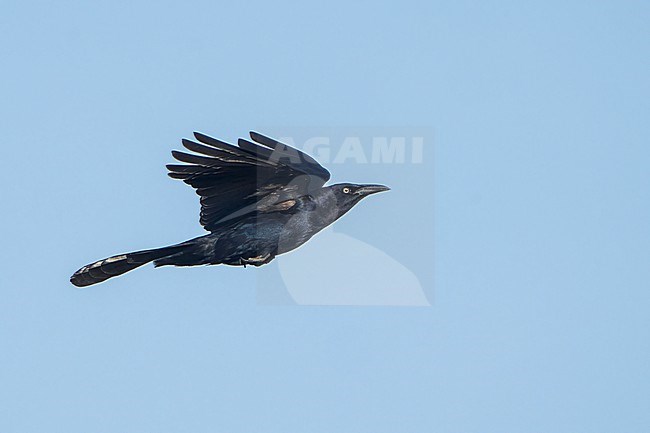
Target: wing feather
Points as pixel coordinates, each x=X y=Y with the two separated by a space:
x=233 y=181
x=301 y=160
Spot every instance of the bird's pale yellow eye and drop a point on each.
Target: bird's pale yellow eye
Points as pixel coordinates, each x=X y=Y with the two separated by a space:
x=346 y=190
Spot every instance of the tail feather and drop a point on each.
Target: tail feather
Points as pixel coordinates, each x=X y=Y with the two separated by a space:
x=102 y=270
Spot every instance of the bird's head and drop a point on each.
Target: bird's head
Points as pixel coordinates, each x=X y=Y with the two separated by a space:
x=349 y=194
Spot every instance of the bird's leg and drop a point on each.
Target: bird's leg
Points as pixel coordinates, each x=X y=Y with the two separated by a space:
x=256 y=261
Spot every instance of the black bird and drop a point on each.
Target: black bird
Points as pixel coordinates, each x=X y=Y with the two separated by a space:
x=258 y=200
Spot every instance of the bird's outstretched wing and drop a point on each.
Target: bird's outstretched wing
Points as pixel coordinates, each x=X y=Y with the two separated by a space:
x=233 y=181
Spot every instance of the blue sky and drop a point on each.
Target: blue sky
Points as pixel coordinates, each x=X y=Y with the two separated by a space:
x=526 y=225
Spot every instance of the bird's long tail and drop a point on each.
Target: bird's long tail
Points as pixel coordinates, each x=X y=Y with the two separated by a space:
x=102 y=270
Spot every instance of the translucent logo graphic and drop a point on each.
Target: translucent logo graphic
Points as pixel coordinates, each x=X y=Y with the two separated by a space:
x=377 y=268
x=338 y=269
x=395 y=149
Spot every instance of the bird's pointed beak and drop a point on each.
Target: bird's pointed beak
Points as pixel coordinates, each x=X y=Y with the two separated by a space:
x=371 y=189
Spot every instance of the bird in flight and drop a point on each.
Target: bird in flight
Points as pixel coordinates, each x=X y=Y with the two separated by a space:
x=259 y=199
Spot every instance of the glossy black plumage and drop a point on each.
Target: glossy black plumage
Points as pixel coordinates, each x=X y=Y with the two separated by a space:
x=258 y=199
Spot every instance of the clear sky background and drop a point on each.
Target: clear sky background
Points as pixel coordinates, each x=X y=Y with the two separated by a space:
x=536 y=262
